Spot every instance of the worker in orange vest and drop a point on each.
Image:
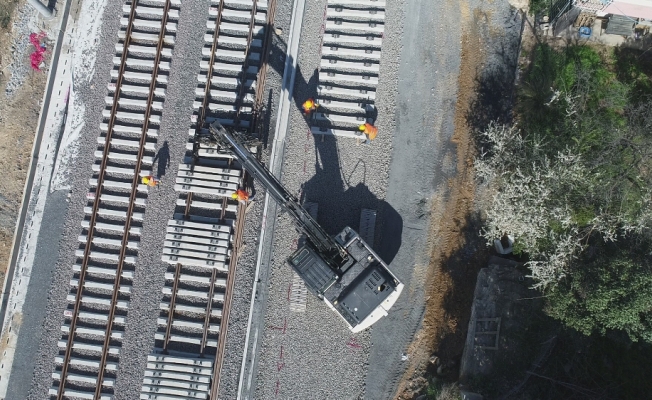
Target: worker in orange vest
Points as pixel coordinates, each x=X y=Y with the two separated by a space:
x=309 y=106
x=150 y=180
x=369 y=130
x=240 y=195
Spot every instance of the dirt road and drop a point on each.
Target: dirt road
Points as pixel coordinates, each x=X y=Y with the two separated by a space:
x=488 y=37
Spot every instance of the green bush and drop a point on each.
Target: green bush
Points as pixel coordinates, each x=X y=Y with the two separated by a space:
x=610 y=292
x=539 y=6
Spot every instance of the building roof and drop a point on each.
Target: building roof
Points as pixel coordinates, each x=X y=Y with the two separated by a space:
x=631 y=8
x=620 y=25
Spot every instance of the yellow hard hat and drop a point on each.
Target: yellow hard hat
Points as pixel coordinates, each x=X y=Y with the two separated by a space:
x=234 y=195
x=362 y=127
x=145 y=180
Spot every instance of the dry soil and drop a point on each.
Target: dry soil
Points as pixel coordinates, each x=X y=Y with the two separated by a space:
x=18 y=119
x=457 y=251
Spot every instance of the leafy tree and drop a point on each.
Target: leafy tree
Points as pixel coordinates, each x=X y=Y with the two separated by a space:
x=579 y=170
x=531 y=201
x=539 y=6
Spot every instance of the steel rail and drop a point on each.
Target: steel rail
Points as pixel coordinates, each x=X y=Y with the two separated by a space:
x=173 y=300
x=241 y=211
x=243 y=73
x=200 y=122
x=211 y=289
x=96 y=203
x=242 y=208
x=207 y=317
x=225 y=203
x=225 y=200
x=186 y=212
x=207 y=90
x=262 y=71
x=132 y=202
x=211 y=62
x=226 y=309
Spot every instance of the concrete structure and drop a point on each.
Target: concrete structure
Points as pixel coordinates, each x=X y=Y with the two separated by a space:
x=40 y=7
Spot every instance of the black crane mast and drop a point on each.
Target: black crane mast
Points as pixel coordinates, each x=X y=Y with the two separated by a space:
x=343 y=270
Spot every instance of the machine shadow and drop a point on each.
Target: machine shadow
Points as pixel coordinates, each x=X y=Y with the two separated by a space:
x=340 y=203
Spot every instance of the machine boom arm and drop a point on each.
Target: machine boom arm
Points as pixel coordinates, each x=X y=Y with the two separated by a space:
x=323 y=242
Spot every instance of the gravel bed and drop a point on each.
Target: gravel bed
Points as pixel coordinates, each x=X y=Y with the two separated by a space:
x=303 y=354
x=240 y=302
x=23 y=24
x=304 y=359
x=246 y=268
x=149 y=273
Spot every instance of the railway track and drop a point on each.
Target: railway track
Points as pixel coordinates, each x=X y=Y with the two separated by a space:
x=204 y=237
x=101 y=285
x=349 y=66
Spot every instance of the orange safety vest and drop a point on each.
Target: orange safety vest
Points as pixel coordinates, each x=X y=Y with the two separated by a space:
x=149 y=180
x=242 y=195
x=370 y=131
x=309 y=105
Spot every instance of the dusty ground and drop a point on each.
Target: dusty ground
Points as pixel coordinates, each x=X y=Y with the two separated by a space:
x=457 y=251
x=18 y=120
x=450 y=218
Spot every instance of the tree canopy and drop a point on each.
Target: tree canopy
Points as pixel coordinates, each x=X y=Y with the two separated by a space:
x=573 y=180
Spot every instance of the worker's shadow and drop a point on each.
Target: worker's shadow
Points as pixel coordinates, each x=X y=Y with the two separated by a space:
x=305 y=89
x=340 y=200
x=163 y=158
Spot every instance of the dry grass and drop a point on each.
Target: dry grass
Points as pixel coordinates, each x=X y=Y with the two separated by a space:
x=449 y=391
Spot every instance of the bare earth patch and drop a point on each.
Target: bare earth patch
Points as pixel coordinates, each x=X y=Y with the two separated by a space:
x=18 y=120
x=457 y=253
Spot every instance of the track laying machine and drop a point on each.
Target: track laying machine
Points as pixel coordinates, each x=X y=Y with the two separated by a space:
x=343 y=271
